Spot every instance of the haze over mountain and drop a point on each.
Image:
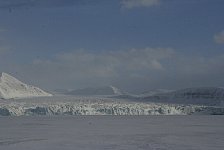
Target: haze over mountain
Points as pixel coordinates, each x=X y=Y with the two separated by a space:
x=195 y=95
x=11 y=87
x=107 y=100
x=135 y=45
x=105 y=90
x=154 y=92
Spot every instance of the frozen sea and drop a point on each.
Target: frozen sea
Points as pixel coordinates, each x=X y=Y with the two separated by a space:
x=193 y=132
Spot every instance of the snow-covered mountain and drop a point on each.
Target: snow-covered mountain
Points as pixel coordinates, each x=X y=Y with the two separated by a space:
x=106 y=90
x=200 y=95
x=11 y=87
x=155 y=92
x=201 y=92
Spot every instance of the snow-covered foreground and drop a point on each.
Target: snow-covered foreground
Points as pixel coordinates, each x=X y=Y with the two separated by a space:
x=112 y=132
x=74 y=105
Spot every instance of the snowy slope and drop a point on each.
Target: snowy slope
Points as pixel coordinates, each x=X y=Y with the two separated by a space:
x=200 y=95
x=11 y=87
x=201 y=92
x=106 y=90
x=155 y=92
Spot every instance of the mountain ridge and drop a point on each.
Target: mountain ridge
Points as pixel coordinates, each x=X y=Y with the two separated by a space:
x=10 y=87
x=104 y=90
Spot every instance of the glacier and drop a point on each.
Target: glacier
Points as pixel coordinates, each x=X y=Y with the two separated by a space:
x=75 y=105
x=20 y=99
x=11 y=87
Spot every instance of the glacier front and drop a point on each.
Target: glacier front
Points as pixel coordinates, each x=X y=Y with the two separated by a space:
x=74 y=105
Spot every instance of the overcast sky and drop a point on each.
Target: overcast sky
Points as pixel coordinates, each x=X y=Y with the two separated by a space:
x=136 y=45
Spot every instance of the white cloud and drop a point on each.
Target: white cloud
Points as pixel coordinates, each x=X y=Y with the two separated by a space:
x=129 y=4
x=219 y=38
x=107 y=64
x=82 y=68
x=134 y=69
